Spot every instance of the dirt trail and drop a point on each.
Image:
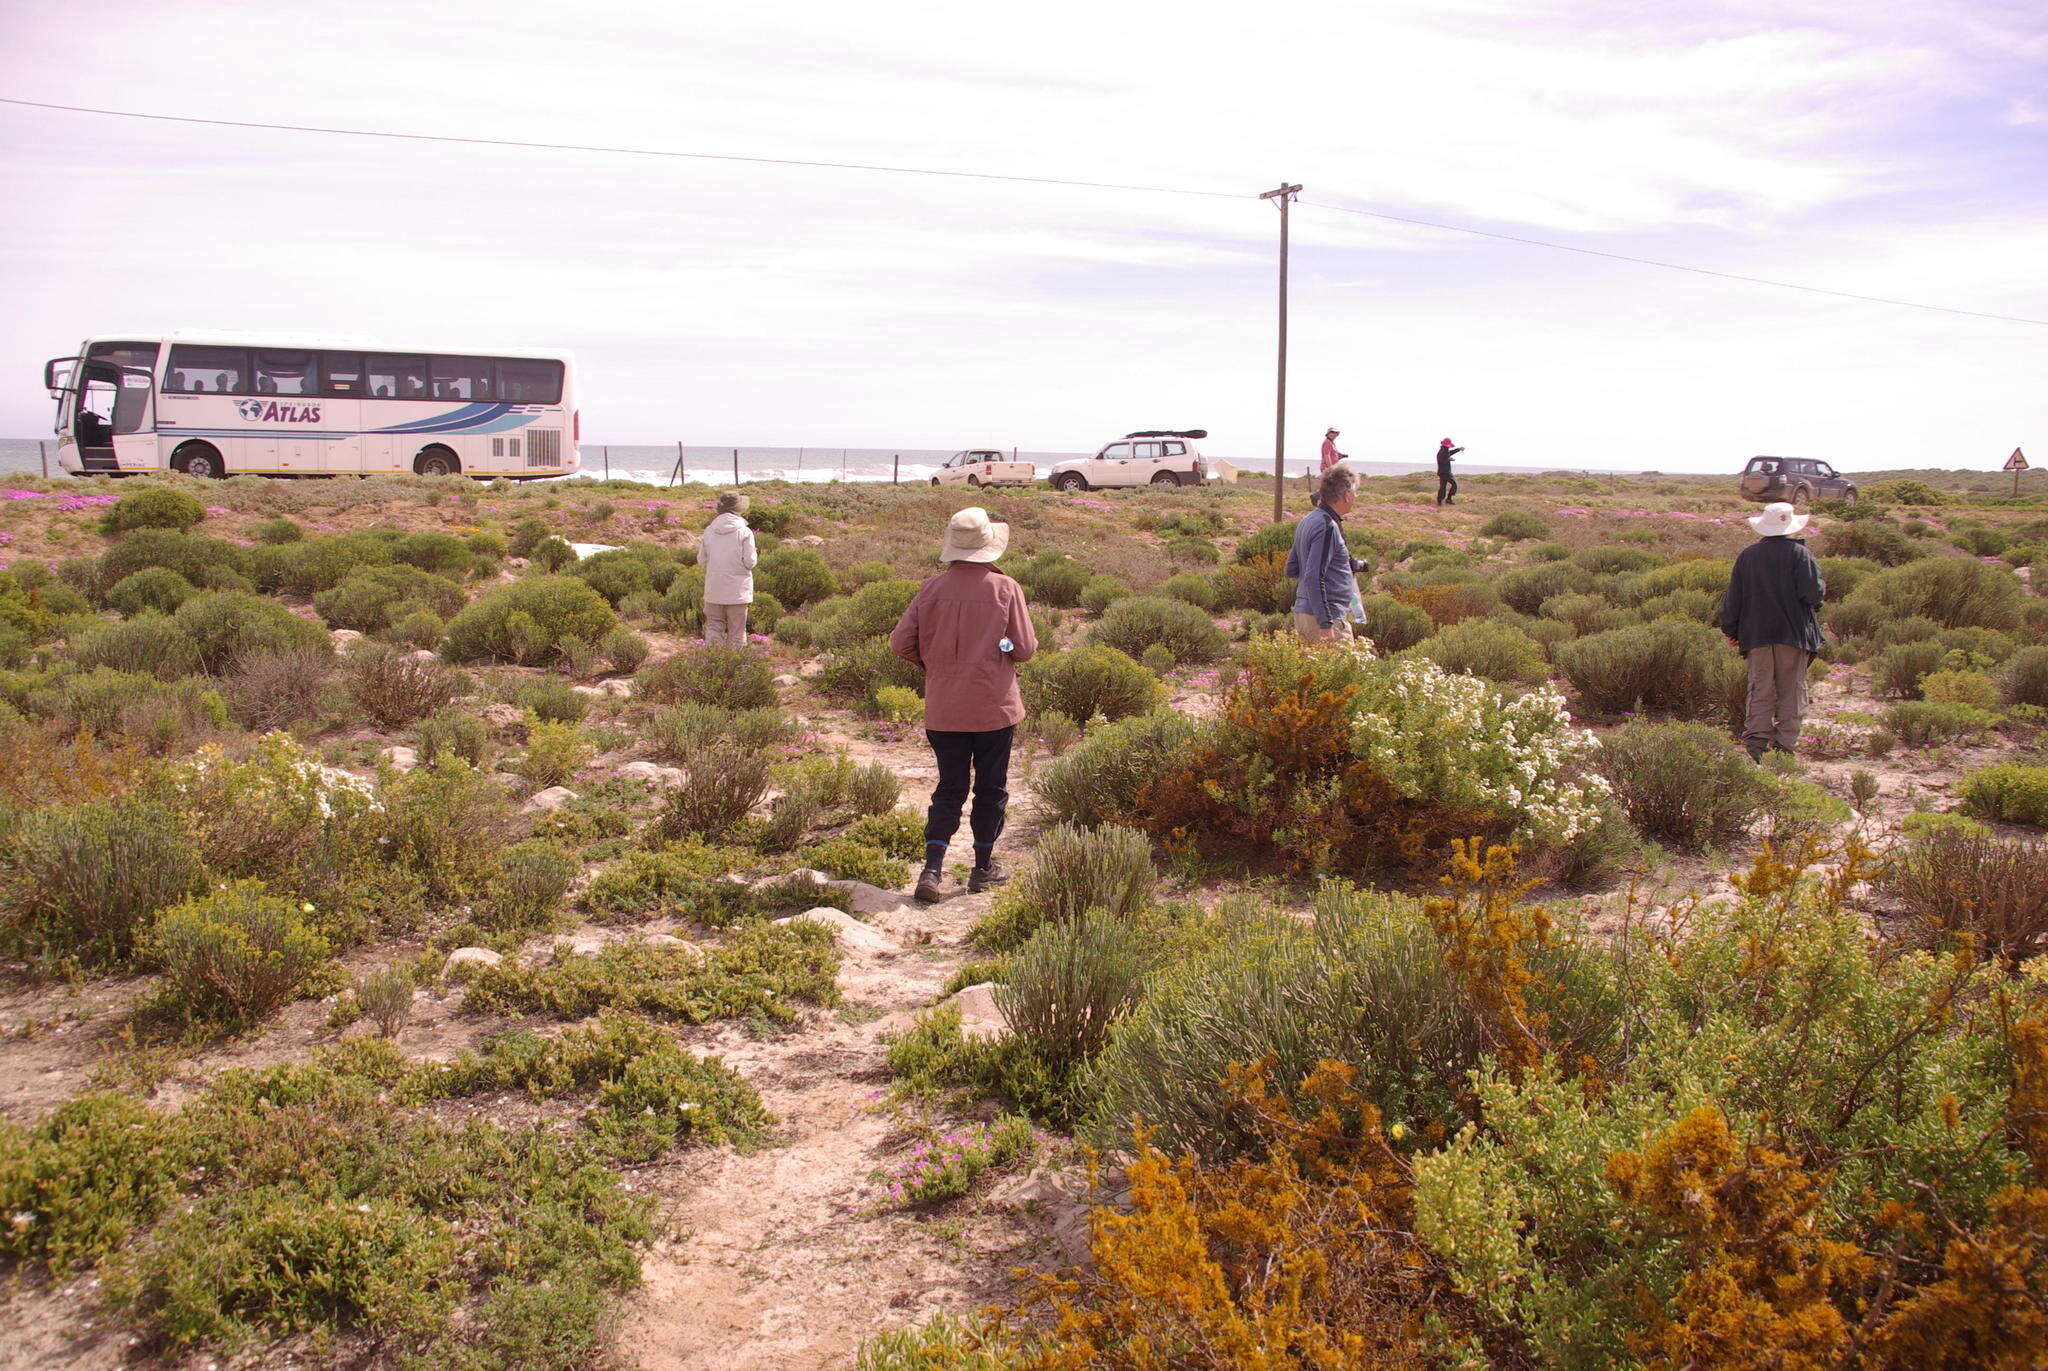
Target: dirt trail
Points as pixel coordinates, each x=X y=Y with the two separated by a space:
x=777 y=1258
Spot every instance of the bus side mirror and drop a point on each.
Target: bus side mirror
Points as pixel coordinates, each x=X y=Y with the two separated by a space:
x=58 y=374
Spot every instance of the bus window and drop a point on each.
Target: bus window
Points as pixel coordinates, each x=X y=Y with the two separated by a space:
x=125 y=354
x=396 y=378
x=131 y=402
x=341 y=373
x=462 y=378
x=223 y=371
x=284 y=373
x=529 y=382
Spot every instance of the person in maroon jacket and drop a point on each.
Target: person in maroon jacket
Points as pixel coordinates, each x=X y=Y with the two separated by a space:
x=969 y=628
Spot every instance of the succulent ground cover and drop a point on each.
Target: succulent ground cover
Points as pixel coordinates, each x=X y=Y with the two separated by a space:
x=392 y=912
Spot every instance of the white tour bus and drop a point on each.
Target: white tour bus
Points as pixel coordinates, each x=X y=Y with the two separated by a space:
x=228 y=405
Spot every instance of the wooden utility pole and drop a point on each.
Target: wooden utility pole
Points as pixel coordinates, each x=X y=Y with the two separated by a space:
x=1284 y=196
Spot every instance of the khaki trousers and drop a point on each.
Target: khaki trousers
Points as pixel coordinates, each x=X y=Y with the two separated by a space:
x=1777 y=694
x=1313 y=632
x=725 y=625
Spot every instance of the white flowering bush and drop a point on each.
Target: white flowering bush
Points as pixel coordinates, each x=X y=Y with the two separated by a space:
x=1462 y=741
x=265 y=811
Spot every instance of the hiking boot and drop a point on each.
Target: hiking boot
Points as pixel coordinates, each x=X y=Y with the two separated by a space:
x=929 y=891
x=1757 y=748
x=986 y=877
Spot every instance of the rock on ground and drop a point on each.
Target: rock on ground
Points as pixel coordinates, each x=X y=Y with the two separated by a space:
x=979 y=1015
x=847 y=931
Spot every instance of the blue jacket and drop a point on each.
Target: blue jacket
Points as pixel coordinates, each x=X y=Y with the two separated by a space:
x=1322 y=564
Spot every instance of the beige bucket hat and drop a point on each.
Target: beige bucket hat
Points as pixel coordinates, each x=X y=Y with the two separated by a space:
x=974 y=537
x=733 y=502
x=1777 y=520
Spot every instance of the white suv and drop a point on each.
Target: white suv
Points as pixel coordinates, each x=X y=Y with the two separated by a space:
x=1149 y=457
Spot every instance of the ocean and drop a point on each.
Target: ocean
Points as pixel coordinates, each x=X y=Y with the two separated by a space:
x=655 y=463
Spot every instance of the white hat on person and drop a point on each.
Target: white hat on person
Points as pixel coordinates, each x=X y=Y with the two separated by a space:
x=974 y=537
x=1777 y=520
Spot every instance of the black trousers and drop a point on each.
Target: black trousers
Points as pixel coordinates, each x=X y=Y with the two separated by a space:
x=980 y=761
x=1446 y=487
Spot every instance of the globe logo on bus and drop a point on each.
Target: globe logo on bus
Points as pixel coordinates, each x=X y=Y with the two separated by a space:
x=250 y=409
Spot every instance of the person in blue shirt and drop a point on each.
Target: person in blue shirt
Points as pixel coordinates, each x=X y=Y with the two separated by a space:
x=1320 y=562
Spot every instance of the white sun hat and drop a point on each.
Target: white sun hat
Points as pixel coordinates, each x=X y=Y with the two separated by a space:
x=974 y=537
x=1776 y=520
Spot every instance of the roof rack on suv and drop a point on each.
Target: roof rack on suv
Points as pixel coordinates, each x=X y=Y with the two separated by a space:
x=1169 y=433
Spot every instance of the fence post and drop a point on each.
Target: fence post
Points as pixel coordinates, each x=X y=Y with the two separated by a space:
x=735 y=466
x=896 y=469
x=43 y=451
x=607 y=461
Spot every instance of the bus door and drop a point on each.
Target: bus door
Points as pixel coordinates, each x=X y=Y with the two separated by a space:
x=111 y=420
x=341 y=392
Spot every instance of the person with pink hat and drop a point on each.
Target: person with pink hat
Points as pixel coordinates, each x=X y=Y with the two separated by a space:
x=1446 y=484
x=1772 y=612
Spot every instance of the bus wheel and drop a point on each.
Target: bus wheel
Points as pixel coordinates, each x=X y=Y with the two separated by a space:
x=436 y=461
x=201 y=460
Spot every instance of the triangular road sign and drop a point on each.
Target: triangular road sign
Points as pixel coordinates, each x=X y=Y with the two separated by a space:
x=2016 y=462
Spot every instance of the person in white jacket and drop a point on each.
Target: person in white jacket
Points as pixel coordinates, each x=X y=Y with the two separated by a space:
x=727 y=556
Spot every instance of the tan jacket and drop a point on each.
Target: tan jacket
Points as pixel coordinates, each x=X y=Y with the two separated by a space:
x=951 y=630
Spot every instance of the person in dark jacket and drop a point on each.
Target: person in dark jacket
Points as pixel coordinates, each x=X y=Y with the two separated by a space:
x=1772 y=612
x=1446 y=484
x=1321 y=562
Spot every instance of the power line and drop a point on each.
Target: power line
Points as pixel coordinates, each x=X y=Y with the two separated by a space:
x=1678 y=266
x=819 y=164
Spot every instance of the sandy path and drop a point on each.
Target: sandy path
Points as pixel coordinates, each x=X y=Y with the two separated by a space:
x=776 y=1258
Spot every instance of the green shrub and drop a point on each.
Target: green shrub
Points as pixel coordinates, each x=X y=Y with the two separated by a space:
x=763 y=970
x=1069 y=983
x=277 y=689
x=554 y=555
x=1073 y=870
x=797 y=576
x=624 y=649
x=1489 y=648
x=1103 y=779
x=1958 y=878
x=857 y=672
x=1960 y=687
x=421 y=630
x=393 y=688
x=85 y=881
x=1101 y=592
x=1911 y=628
x=231 y=626
x=1132 y=625
x=317 y=564
x=528 y=621
x=528 y=534
x=1955 y=592
x=2025 y=678
x=683 y=882
x=621 y=572
x=233 y=956
x=2010 y=792
x=1902 y=666
x=1267 y=540
x=870 y=612
x=153 y=588
x=1393 y=625
x=385 y=996
x=721 y=784
x=456 y=732
x=153 y=507
x=443 y=554
x=1918 y=723
x=205 y=562
x=1525 y=589
x=1866 y=539
x=676 y=734
x=1905 y=492
x=1611 y=560
x=277 y=530
x=896 y=833
x=1842 y=575
x=1684 y=783
x=873 y=789
x=1195 y=589
x=729 y=677
x=371 y=600
x=527 y=885
x=550 y=699
x=1671 y=666
x=555 y=752
x=1093 y=679
x=1514 y=526
x=150 y=643
x=445 y=823
x=850 y=860
x=1052 y=578
x=80 y=1180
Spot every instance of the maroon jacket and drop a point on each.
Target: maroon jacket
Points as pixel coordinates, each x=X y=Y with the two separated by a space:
x=951 y=630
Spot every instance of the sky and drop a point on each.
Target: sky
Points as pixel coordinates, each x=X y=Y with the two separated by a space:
x=1846 y=147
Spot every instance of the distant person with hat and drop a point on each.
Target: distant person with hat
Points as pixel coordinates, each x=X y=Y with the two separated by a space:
x=1446 y=484
x=1772 y=612
x=1330 y=454
x=727 y=555
x=969 y=628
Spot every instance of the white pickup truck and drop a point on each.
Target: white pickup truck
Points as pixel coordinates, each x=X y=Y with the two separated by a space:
x=984 y=467
x=1149 y=457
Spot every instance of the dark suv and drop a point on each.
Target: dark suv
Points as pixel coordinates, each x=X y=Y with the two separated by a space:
x=1795 y=480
